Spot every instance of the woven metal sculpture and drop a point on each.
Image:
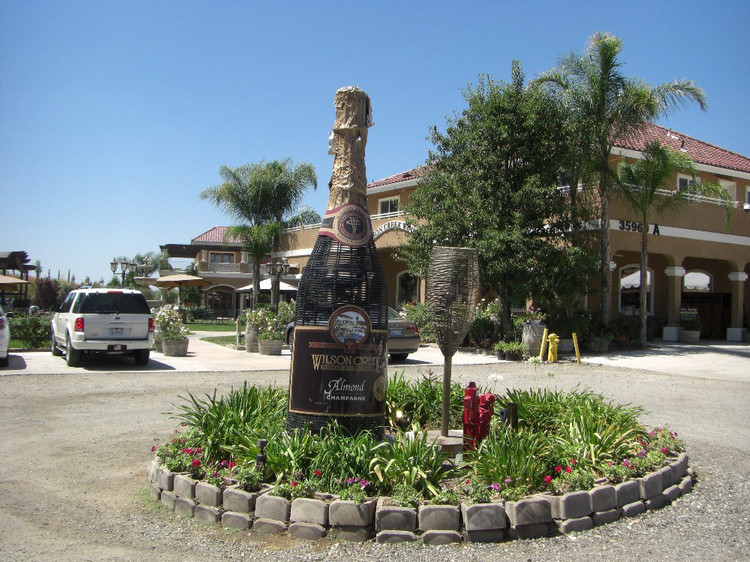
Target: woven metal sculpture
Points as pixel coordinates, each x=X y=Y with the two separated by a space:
x=452 y=291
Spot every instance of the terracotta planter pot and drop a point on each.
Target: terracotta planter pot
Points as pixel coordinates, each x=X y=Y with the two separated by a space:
x=175 y=348
x=270 y=347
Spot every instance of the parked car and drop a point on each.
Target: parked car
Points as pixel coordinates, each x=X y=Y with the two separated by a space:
x=102 y=320
x=403 y=336
x=4 y=338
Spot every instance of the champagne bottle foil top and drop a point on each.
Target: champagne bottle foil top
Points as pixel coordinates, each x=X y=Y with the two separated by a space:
x=348 y=224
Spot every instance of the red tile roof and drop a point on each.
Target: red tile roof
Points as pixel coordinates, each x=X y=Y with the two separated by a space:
x=699 y=152
x=216 y=234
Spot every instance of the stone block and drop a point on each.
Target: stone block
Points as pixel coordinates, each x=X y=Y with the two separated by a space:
x=529 y=511
x=206 y=514
x=168 y=499
x=438 y=537
x=153 y=468
x=165 y=479
x=531 y=531
x=208 y=494
x=633 y=509
x=392 y=536
x=184 y=486
x=347 y=513
x=238 y=500
x=603 y=498
x=270 y=526
x=604 y=517
x=393 y=518
x=483 y=516
x=489 y=535
x=155 y=491
x=686 y=485
x=571 y=506
x=439 y=518
x=679 y=468
x=657 y=502
x=666 y=476
x=354 y=533
x=235 y=520
x=673 y=493
x=308 y=531
x=691 y=472
x=272 y=507
x=307 y=510
x=184 y=507
x=651 y=485
x=627 y=492
x=575 y=524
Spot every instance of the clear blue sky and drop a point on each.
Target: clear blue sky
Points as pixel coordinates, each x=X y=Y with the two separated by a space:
x=115 y=115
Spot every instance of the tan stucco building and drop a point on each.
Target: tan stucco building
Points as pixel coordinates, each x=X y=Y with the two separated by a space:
x=696 y=262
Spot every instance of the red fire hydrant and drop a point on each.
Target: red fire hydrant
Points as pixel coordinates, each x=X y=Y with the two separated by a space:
x=477 y=416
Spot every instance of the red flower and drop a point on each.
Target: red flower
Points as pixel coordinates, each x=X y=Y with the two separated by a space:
x=547 y=480
x=558 y=469
x=294 y=483
x=196 y=462
x=317 y=473
x=573 y=461
x=665 y=450
x=232 y=464
x=568 y=469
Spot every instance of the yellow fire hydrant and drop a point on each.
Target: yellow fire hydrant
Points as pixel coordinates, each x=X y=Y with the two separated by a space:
x=553 y=340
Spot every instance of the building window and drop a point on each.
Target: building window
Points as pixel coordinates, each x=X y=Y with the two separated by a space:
x=408 y=289
x=389 y=205
x=630 y=286
x=683 y=182
x=221 y=257
x=731 y=188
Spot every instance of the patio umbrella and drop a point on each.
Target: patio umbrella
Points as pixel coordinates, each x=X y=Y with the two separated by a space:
x=8 y=281
x=265 y=287
x=179 y=281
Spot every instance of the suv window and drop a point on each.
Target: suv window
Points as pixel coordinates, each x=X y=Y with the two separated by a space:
x=103 y=303
x=65 y=306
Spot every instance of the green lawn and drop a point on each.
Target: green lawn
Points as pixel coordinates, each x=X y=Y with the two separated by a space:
x=223 y=340
x=210 y=327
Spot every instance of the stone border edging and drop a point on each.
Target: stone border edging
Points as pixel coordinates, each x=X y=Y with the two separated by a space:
x=532 y=517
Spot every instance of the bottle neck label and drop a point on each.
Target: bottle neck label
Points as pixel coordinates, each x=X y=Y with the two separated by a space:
x=348 y=224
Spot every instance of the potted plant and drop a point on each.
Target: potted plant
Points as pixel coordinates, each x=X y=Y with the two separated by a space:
x=254 y=322
x=173 y=331
x=271 y=335
x=532 y=325
x=691 y=329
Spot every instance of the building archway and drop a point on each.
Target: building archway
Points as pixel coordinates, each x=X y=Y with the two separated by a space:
x=407 y=288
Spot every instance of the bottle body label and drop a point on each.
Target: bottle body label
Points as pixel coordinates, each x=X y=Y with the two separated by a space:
x=348 y=224
x=339 y=369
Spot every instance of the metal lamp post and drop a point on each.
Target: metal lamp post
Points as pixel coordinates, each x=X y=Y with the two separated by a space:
x=125 y=268
x=276 y=270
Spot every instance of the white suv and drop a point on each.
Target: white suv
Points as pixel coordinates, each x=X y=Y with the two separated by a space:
x=114 y=321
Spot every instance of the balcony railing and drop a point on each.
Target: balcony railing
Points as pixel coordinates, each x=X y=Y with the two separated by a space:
x=223 y=267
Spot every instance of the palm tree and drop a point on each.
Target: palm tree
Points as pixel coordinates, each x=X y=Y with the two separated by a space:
x=260 y=196
x=640 y=188
x=610 y=107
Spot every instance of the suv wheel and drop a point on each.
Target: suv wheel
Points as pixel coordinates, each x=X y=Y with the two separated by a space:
x=141 y=356
x=72 y=355
x=53 y=345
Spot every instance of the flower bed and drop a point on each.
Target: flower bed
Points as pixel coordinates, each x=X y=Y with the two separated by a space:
x=495 y=521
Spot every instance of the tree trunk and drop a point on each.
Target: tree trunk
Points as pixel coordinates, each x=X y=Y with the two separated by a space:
x=643 y=293
x=605 y=274
x=256 y=281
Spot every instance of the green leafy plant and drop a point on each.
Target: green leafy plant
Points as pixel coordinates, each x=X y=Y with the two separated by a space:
x=419 y=313
x=420 y=401
x=446 y=497
x=248 y=477
x=169 y=322
x=410 y=459
x=353 y=492
x=31 y=330
x=404 y=495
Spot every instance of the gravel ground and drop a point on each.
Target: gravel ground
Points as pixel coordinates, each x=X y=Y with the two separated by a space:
x=75 y=450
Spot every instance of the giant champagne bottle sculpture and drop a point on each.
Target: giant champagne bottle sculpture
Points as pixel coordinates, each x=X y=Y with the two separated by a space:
x=341 y=322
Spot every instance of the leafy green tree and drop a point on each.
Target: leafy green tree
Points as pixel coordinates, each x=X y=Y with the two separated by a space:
x=491 y=184
x=640 y=187
x=260 y=197
x=610 y=106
